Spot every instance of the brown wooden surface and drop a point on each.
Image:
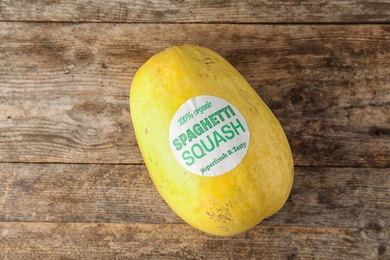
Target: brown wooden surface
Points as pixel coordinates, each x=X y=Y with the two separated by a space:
x=198 y=11
x=64 y=87
x=165 y=241
x=321 y=196
x=73 y=184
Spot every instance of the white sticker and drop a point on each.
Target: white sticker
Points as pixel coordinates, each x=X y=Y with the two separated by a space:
x=208 y=136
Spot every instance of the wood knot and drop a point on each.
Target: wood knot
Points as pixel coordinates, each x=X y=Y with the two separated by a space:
x=382 y=249
x=374 y=226
x=297 y=99
x=379 y=132
x=296 y=96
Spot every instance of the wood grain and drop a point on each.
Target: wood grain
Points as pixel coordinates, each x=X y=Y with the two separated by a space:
x=158 y=241
x=198 y=11
x=321 y=197
x=64 y=87
x=73 y=184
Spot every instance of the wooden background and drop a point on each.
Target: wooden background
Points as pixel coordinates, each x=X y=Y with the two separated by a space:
x=73 y=184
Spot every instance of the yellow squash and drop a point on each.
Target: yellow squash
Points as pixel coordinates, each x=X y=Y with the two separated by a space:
x=214 y=150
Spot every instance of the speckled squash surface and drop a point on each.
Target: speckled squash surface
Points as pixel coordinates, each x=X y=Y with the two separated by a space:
x=228 y=203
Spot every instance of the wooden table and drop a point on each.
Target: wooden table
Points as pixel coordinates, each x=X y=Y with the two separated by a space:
x=73 y=184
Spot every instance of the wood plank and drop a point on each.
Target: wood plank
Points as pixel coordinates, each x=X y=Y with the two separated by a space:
x=321 y=197
x=64 y=87
x=143 y=241
x=198 y=11
x=80 y=193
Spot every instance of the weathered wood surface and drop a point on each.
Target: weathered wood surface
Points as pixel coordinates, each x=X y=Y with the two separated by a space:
x=159 y=241
x=198 y=11
x=72 y=181
x=321 y=197
x=64 y=87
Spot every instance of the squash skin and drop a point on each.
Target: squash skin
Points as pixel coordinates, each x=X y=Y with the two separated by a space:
x=230 y=203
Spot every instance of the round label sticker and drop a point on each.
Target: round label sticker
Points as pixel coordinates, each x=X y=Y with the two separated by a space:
x=208 y=136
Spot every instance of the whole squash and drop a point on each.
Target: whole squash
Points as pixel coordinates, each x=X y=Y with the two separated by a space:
x=214 y=150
